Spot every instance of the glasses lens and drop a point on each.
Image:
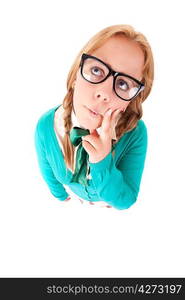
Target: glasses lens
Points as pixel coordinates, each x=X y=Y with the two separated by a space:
x=94 y=71
x=125 y=87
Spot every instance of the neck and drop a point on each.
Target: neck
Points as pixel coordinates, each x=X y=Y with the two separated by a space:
x=91 y=130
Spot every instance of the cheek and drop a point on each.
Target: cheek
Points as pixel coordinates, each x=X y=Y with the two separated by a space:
x=119 y=104
x=82 y=91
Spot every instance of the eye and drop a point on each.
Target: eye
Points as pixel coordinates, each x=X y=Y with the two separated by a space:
x=96 y=71
x=123 y=85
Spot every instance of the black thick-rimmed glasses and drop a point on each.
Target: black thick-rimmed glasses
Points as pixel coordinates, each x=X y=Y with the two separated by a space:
x=95 y=71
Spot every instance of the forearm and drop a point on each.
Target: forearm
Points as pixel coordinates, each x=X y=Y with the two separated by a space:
x=110 y=184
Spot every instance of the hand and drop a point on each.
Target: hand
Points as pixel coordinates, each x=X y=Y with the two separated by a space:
x=67 y=199
x=99 y=146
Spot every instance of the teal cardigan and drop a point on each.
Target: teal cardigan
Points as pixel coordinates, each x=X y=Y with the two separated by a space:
x=115 y=179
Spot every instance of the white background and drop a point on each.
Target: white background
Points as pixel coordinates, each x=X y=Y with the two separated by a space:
x=40 y=236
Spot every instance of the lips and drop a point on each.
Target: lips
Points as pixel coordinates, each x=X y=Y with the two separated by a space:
x=95 y=111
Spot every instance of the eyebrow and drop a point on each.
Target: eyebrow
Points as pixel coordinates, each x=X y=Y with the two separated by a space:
x=115 y=70
x=108 y=64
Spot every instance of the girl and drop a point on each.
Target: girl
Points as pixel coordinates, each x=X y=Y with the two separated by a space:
x=94 y=144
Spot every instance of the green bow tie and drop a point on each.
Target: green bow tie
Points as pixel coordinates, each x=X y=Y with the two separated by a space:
x=80 y=174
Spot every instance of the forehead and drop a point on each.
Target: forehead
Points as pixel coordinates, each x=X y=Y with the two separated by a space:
x=123 y=55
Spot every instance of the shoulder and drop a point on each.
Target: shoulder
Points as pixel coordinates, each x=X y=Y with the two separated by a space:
x=136 y=137
x=139 y=135
x=141 y=128
x=45 y=118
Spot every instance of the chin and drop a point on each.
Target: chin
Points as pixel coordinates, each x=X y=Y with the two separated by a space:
x=86 y=126
x=93 y=126
x=89 y=123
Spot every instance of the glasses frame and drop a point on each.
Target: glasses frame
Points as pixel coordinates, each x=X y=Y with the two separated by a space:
x=111 y=72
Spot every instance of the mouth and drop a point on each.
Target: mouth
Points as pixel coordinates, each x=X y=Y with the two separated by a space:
x=93 y=112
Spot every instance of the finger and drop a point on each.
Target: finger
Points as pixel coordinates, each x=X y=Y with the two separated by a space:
x=108 y=121
x=67 y=199
x=88 y=147
x=115 y=117
x=92 y=138
x=95 y=133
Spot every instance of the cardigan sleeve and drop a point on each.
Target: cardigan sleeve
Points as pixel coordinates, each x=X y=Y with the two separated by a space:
x=118 y=185
x=55 y=187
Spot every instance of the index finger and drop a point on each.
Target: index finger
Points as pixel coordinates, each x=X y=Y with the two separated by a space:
x=110 y=119
x=106 y=120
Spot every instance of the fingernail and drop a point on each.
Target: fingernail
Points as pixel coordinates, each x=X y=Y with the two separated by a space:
x=109 y=111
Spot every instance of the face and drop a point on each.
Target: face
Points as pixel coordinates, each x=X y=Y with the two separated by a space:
x=122 y=55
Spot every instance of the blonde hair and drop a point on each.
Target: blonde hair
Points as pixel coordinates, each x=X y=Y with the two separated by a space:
x=134 y=111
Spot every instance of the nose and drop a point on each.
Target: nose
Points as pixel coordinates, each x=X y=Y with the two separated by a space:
x=102 y=95
x=104 y=90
